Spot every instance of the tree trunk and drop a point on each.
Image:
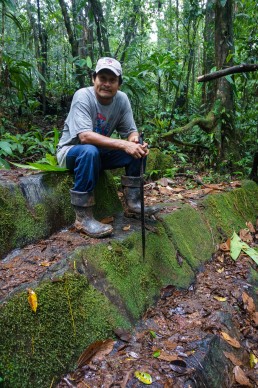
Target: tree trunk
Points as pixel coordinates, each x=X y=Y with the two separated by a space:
x=2 y=38
x=220 y=119
x=42 y=59
x=102 y=34
x=73 y=41
x=224 y=91
x=208 y=90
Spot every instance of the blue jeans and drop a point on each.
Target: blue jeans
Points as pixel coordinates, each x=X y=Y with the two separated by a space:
x=87 y=161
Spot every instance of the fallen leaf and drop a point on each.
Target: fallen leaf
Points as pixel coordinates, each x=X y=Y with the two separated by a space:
x=45 y=264
x=241 y=377
x=178 y=189
x=170 y=345
x=220 y=270
x=245 y=235
x=250 y=252
x=231 y=341
x=220 y=298
x=250 y=227
x=123 y=335
x=235 y=246
x=253 y=360
x=166 y=190
x=134 y=355
x=168 y=357
x=233 y=359
x=163 y=182
x=156 y=353
x=143 y=377
x=127 y=227
x=107 y=220
x=255 y=318
x=104 y=350
x=225 y=247
x=248 y=302
x=102 y=347
x=32 y=299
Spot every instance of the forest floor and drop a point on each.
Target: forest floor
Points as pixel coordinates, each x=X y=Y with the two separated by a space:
x=170 y=346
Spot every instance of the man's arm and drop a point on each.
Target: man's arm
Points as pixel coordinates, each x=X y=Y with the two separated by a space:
x=130 y=146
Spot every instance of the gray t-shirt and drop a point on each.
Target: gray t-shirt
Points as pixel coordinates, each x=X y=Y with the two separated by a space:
x=87 y=114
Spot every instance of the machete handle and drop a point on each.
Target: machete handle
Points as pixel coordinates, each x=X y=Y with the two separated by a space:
x=141 y=136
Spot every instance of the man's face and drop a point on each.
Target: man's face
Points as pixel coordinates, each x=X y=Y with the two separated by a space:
x=106 y=85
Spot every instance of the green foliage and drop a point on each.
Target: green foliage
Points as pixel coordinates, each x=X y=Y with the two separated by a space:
x=33 y=145
x=161 y=46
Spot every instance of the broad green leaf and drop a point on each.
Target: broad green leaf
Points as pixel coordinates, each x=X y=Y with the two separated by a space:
x=235 y=246
x=156 y=353
x=47 y=167
x=251 y=252
x=40 y=166
x=4 y=165
x=51 y=159
x=143 y=377
x=5 y=146
x=89 y=62
x=24 y=166
x=153 y=334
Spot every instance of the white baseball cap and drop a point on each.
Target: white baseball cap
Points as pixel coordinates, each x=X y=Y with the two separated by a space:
x=110 y=64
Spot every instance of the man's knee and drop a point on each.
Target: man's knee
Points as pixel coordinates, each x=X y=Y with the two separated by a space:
x=89 y=151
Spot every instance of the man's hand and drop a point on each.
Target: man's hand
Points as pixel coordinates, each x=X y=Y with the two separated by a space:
x=137 y=152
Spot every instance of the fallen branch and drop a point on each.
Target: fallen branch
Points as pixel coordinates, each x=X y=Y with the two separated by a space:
x=243 y=68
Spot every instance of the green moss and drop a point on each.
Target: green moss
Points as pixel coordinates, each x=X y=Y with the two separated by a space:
x=107 y=201
x=190 y=235
x=36 y=348
x=21 y=224
x=159 y=162
x=228 y=212
x=135 y=280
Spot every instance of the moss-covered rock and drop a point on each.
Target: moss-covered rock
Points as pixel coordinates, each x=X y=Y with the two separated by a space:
x=157 y=163
x=111 y=285
x=27 y=217
x=36 y=348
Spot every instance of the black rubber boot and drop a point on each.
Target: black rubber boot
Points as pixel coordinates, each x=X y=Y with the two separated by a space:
x=132 y=193
x=85 y=222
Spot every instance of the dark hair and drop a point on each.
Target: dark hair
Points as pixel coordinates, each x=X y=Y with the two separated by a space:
x=94 y=75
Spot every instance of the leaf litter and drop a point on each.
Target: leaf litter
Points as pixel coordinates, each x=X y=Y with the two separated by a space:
x=164 y=349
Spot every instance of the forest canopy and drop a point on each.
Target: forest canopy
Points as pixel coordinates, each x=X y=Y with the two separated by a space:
x=48 y=49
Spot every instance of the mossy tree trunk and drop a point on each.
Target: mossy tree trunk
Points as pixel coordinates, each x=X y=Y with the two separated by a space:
x=220 y=118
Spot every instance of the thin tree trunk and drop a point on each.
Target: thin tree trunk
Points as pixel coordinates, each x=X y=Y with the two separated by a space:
x=130 y=30
x=73 y=41
x=102 y=34
x=42 y=58
x=223 y=47
x=209 y=90
x=2 y=38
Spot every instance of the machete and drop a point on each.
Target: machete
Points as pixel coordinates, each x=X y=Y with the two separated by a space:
x=142 y=200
